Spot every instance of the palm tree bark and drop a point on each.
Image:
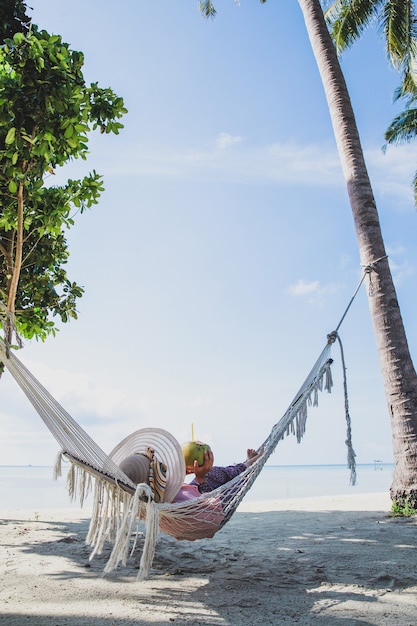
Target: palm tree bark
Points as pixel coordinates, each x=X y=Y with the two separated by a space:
x=398 y=372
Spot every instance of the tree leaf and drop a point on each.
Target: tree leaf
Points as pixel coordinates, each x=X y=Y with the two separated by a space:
x=10 y=136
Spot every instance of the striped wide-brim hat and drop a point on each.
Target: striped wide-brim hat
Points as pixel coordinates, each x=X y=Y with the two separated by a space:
x=153 y=454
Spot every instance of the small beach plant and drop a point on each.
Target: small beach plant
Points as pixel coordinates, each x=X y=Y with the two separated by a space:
x=403 y=508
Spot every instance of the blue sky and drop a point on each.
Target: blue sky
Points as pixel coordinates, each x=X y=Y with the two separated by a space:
x=223 y=250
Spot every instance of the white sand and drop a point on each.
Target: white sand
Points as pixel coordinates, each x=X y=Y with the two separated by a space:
x=331 y=561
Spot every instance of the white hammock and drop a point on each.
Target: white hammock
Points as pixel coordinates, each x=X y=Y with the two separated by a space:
x=119 y=504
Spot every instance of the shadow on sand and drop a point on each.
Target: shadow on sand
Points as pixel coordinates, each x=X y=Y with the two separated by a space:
x=283 y=567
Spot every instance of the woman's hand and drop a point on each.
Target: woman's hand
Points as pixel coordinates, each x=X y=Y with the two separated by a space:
x=200 y=471
x=253 y=455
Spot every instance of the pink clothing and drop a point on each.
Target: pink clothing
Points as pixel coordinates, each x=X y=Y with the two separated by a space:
x=203 y=521
x=187 y=492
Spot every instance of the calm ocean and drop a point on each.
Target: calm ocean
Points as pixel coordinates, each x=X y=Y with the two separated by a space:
x=33 y=487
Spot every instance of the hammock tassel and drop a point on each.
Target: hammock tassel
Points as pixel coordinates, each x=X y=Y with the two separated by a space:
x=328 y=377
x=151 y=537
x=79 y=483
x=130 y=519
x=58 y=466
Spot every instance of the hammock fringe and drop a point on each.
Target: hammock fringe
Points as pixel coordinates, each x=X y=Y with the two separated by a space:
x=57 y=473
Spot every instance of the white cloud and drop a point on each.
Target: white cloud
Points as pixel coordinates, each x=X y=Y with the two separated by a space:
x=401 y=271
x=313 y=291
x=399 y=261
x=301 y=288
x=288 y=163
x=392 y=172
x=85 y=395
x=225 y=140
x=311 y=163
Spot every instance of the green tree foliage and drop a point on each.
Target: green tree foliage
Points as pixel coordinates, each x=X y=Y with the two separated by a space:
x=208 y=10
x=396 y=21
x=13 y=18
x=46 y=113
x=403 y=128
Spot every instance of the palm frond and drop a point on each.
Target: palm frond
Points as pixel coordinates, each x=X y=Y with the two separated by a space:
x=415 y=189
x=347 y=19
x=207 y=8
x=408 y=88
x=403 y=127
x=398 y=25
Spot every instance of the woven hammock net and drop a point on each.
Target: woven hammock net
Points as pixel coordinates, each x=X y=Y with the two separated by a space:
x=119 y=505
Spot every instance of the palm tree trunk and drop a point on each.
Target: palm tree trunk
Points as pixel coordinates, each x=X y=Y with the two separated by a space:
x=398 y=372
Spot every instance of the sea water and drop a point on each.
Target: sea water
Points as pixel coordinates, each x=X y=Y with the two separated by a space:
x=33 y=487
x=300 y=481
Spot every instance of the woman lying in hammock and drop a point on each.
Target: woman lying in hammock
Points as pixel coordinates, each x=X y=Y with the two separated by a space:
x=199 y=509
x=143 y=467
x=209 y=477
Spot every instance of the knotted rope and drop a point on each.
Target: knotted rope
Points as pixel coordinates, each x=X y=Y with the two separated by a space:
x=351 y=458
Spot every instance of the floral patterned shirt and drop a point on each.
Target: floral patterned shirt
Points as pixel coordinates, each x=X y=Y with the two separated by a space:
x=218 y=476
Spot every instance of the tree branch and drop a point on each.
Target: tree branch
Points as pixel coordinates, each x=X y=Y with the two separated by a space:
x=14 y=282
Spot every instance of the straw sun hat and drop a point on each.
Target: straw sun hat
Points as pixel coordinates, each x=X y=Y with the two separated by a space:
x=133 y=457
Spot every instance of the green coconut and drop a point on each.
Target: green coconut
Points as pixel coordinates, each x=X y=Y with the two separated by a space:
x=194 y=451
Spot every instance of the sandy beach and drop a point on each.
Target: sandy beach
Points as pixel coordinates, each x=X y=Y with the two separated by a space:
x=330 y=561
